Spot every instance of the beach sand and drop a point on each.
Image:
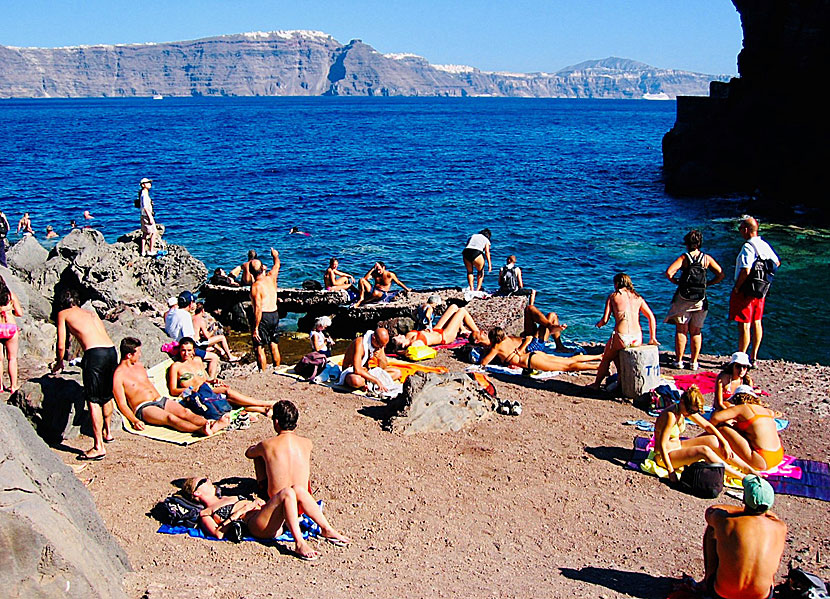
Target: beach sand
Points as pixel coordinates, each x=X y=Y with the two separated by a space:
x=532 y=506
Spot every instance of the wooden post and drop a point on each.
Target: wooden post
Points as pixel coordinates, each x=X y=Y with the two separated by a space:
x=639 y=370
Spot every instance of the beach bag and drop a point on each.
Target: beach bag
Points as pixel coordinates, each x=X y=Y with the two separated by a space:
x=703 y=480
x=178 y=511
x=802 y=585
x=312 y=285
x=206 y=403
x=311 y=365
x=692 y=285
x=416 y=353
x=508 y=280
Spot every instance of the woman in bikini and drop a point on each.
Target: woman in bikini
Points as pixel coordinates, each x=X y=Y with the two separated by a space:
x=478 y=248
x=335 y=279
x=750 y=429
x=9 y=333
x=733 y=375
x=453 y=322
x=626 y=305
x=191 y=374
x=514 y=353
x=671 y=452
x=262 y=520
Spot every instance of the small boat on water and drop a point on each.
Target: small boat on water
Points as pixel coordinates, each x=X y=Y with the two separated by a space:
x=158 y=97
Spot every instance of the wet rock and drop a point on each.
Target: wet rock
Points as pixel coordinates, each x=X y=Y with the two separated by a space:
x=433 y=402
x=53 y=541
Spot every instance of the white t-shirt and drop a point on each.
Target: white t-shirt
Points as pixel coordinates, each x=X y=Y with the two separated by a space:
x=318 y=341
x=477 y=242
x=754 y=246
x=178 y=323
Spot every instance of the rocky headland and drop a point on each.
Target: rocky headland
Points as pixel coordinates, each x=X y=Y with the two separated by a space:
x=309 y=63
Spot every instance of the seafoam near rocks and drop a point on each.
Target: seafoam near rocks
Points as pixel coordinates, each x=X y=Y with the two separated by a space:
x=53 y=542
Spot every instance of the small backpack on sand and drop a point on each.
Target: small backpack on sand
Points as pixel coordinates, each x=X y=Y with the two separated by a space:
x=178 y=511
x=703 y=480
x=692 y=285
x=311 y=365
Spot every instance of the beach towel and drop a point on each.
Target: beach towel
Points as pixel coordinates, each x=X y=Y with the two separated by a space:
x=169 y=435
x=705 y=381
x=538 y=375
x=309 y=528
x=813 y=483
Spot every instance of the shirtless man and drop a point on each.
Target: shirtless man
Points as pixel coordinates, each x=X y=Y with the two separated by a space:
x=97 y=366
x=283 y=468
x=356 y=373
x=383 y=280
x=626 y=305
x=24 y=225
x=266 y=317
x=336 y=279
x=742 y=548
x=206 y=338
x=513 y=352
x=140 y=402
x=244 y=269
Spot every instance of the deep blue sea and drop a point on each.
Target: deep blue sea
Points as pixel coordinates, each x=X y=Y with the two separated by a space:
x=572 y=187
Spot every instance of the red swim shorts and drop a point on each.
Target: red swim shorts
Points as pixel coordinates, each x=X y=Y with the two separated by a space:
x=745 y=309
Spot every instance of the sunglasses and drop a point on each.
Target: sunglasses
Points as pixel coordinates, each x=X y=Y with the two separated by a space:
x=200 y=483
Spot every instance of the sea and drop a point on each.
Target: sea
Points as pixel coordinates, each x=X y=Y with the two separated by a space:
x=573 y=188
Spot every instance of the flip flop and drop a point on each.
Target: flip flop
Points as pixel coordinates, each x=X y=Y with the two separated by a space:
x=110 y=440
x=336 y=542
x=308 y=558
x=84 y=458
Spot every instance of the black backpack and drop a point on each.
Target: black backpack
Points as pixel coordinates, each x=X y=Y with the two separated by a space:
x=178 y=511
x=4 y=228
x=761 y=274
x=508 y=280
x=801 y=585
x=692 y=285
x=703 y=480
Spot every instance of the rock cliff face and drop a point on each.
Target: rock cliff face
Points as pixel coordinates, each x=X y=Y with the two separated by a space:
x=306 y=63
x=758 y=134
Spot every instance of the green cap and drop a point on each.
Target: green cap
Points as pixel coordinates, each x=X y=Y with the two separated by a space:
x=758 y=493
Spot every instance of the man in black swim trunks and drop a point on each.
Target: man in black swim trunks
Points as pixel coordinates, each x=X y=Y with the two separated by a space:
x=266 y=317
x=98 y=364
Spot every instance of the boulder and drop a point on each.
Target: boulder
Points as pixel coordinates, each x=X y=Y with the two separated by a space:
x=54 y=405
x=131 y=323
x=433 y=402
x=26 y=256
x=53 y=542
x=31 y=301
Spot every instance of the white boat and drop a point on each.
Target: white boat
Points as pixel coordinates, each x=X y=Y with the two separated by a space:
x=158 y=97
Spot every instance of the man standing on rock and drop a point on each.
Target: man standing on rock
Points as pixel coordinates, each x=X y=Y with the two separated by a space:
x=97 y=365
x=149 y=232
x=244 y=269
x=266 y=317
x=745 y=309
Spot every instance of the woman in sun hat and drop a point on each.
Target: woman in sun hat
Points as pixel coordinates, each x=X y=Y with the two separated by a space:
x=734 y=374
x=750 y=429
x=149 y=232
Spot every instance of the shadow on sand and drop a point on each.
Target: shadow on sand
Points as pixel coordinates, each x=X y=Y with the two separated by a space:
x=635 y=584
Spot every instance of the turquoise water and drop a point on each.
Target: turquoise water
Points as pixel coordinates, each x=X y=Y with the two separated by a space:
x=572 y=187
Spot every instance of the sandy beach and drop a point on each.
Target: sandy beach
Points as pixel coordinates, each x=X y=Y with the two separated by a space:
x=538 y=505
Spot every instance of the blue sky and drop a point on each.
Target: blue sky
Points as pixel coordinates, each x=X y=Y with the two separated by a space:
x=519 y=35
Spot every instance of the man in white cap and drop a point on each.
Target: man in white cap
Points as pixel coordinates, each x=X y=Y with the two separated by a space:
x=742 y=547
x=149 y=232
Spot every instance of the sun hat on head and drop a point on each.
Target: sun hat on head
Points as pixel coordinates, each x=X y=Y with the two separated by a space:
x=745 y=390
x=146 y=180
x=758 y=493
x=741 y=358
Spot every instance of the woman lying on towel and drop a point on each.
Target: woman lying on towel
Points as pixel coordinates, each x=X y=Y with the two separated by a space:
x=750 y=429
x=223 y=516
x=733 y=375
x=453 y=322
x=190 y=376
x=513 y=352
x=671 y=452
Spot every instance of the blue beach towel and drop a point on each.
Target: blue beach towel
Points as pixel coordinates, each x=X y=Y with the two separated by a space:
x=308 y=527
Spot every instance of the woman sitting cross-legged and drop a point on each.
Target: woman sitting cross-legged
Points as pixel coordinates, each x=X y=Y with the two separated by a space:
x=190 y=376
x=513 y=352
x=453 y=322
x=261 y=519
x=750 y=429
x=671 y=452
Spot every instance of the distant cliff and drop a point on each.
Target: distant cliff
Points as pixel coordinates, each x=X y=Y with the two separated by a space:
x=307 y=63
x=765 y=132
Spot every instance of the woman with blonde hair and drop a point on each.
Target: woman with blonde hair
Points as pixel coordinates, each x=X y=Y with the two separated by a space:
x=672 y=452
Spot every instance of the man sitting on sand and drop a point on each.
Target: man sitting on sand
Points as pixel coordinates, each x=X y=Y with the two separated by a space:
x=742 y=548
x=283 y=468
x=383 y=280
x=356 y=373
x=140 y=402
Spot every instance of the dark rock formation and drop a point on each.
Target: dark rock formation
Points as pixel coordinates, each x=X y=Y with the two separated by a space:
x=53 y=542
x=306 y=63
x=433 y=402
x=757 y=134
